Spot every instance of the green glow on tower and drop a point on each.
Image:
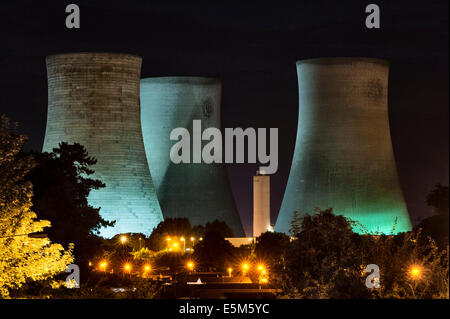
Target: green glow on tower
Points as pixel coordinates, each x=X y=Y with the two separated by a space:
x=343 y=156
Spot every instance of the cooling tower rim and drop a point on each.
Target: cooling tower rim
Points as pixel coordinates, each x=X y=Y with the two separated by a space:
x=93 y=54
x=342 y=60
x=201 y=80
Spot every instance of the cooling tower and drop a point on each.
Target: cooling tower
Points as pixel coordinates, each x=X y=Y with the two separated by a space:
x=343 y=155
x=93 y=99
x=261 y=204
x=198 y=191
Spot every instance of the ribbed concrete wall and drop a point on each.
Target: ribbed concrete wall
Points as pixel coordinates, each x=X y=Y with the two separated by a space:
x=93 y=99
x=343 y=154
x=261 y=204
x=200 y=192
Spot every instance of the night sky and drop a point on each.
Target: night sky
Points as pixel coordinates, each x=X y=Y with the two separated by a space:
x=252 y=48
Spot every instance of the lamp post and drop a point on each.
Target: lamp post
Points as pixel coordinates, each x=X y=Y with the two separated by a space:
x=190 y=266
x=127 y=268
x=103 y=265
x=184 y=244
x=416 y=273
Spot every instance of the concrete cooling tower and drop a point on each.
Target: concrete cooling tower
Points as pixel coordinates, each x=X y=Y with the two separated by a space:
x=198 y=191
x=343 y=155
x=93 y=99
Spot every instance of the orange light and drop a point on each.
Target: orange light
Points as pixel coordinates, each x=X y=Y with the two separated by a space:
x=147 y=267
x=415 y=272
x=127 y=267
x=182 y=238
x=103 y=265
x=190 y=265
x=192 y=238
x=123 y=239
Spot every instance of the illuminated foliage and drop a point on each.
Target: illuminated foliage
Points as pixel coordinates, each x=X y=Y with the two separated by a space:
x=22 y=258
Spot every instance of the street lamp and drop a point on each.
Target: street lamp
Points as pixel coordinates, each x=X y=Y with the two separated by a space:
x=415 y=272
x=103 y=265
x=127 y=267
x=190 y=265
x=123 y=239
x=184 y=243
x=229 y=272
x=245 y=268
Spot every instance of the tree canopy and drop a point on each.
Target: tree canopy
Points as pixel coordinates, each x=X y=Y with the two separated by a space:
x=22 y=258
x=62 y=183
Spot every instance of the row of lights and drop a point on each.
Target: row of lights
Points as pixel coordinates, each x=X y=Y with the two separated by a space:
x=127 y=267
x=175 y=244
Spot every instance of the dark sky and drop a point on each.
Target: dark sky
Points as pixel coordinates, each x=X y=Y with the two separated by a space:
x=252 y=47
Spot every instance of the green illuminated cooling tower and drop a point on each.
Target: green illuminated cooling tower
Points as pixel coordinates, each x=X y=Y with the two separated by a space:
x=198 y=191
x=93 y=99
x=343 y=155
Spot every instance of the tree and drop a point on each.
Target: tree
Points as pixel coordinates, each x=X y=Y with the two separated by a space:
x=213 y=252
x=271 y=247
x=22 y=258
x=295 y=224
x=61 y=187
x=436 y=226
x=398 y=256
x=438 y=199
x=216 y=226
x=170 y=227
x=329 y=260
x=323 y=260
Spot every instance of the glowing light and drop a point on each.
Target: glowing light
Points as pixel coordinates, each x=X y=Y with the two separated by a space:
x=229 y=271
x=169 y=239
x=147 y=268
x=415 y=272
x=245 y=267
x=192 y=238
x=175 y=245
x=127 y=267
x=190 y=265
x=264 y=280
x=123 y=239
x=182 y=238
x=103 y=264
x=201 y=238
